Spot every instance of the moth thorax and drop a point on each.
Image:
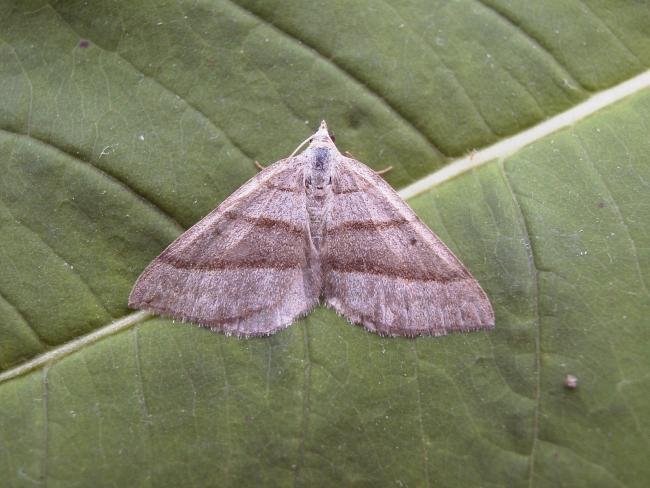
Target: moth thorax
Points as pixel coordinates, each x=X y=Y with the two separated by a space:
x=318 y=173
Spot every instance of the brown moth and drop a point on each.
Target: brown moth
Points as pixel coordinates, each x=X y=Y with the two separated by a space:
x=311 y=227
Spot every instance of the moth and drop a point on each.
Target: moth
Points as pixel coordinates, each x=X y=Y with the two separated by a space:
x=317 y=226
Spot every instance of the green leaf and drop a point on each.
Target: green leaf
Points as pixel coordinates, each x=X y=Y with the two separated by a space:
x=123 y=123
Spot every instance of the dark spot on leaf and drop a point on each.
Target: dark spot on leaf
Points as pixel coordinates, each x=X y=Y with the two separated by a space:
x=413 y=241
x=356 y=116
x=83 y=43
x=570 y=382
x=601 y=204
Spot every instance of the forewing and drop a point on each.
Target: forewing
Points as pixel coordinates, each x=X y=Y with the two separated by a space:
x=383 y=268
x=247 y=267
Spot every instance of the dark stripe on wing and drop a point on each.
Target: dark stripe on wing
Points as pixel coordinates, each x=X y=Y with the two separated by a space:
x=367 y=225
x=265 y=222
x=220 y=264
x=343 y=191
x=383 y=269
x=288 y=189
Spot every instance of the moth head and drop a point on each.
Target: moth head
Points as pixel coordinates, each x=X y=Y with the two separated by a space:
x=322 y=137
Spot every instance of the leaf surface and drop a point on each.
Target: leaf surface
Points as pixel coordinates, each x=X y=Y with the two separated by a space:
x=121 y=124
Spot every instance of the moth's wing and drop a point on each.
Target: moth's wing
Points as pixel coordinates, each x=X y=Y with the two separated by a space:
x=247 y=268
x=383 y=268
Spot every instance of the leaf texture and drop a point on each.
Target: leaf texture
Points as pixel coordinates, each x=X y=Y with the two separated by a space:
x=123 y=123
